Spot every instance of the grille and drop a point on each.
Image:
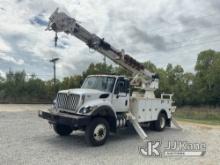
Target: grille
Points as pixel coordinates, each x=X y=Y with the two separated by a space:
x=67 y=101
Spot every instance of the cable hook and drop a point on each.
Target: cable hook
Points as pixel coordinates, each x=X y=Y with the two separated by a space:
x=55 y=39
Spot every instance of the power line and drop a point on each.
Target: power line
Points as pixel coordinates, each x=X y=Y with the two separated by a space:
x=195 y=44
x=192 y=39
x=178 y=23
x=197 y=49
x=189 y=30
x=29 y=75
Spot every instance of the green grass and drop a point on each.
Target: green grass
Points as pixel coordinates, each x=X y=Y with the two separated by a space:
x=204 y=115
x=209 y=122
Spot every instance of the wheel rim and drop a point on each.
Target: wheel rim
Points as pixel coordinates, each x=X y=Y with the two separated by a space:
x=162 y=122
x=99 y=132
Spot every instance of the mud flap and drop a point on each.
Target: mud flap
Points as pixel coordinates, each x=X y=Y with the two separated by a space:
x=137 y=126
x=175 y=123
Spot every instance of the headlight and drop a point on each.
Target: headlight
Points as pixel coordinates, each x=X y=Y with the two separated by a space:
x=88 y=109
x=54 y=105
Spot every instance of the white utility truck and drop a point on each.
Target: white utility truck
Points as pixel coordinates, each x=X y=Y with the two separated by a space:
x=106 y=103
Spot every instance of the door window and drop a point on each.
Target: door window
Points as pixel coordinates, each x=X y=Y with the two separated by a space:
x=121 y=87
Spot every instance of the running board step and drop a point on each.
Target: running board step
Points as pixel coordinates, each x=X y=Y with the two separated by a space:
x=137 y=126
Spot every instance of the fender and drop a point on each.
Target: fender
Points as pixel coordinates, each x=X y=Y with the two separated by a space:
x=108 y=113
x=163 y=111
x=104 y=109
x=168 y=121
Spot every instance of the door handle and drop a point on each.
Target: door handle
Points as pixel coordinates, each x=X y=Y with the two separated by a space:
x=126 y=102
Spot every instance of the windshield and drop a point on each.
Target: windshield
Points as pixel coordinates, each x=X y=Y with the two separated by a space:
x=101 y=83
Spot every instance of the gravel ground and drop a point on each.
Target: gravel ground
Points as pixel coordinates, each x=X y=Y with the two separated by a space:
x=27 y=139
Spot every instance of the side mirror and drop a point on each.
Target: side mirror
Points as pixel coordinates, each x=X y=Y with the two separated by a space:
x=116 y=90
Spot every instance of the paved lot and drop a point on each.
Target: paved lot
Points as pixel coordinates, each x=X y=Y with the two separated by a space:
x=27 y=139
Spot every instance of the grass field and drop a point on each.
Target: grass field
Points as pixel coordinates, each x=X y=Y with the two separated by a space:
x=205 y=115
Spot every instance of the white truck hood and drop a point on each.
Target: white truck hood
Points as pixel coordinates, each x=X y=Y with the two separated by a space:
x=81 y=91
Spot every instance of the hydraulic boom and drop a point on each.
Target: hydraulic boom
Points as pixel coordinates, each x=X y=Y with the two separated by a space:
x=142 y=78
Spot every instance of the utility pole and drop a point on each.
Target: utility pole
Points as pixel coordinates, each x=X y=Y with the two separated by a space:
x=54 y=60
x=105 y=65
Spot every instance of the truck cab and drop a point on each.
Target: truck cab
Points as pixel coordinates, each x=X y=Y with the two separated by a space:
x=96 y=91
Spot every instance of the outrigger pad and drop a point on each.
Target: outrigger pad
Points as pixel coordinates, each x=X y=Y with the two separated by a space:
x=175 y=123
x=137 y=126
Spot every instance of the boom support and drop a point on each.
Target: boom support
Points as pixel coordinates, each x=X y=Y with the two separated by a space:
x=144 y=79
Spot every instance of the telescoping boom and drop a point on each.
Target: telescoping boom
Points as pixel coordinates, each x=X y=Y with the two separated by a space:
x=142 y=78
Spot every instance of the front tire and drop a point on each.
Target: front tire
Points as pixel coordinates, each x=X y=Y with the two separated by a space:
x=160 y=124
x=97 y=132
x=62 y=130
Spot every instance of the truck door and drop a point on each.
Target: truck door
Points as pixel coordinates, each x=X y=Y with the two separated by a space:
x=120 y=99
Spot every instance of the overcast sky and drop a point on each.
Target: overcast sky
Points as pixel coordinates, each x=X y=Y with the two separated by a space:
x=162 y=31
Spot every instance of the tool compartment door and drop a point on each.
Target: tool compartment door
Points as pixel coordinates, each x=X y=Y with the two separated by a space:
x=141 y=108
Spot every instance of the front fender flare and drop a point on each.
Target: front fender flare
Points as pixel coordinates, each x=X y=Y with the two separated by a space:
x=108 y=113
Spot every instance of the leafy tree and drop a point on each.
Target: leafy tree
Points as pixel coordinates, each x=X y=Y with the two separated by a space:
x=1 y=79
x=71 y=82
x=201 y=88
x=150 y=66
x=207 y=81
x=121 y=71
x=98 y=68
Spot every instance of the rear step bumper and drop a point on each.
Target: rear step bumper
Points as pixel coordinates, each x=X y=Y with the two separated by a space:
x=65 y=119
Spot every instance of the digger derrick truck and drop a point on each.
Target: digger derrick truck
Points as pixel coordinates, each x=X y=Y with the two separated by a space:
x=105 y=103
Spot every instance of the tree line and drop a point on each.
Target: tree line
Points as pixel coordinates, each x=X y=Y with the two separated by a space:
x=201 y=87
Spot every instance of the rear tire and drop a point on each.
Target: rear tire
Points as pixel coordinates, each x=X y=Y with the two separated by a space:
x=97 y=132
x=62 y=130
x=160 y=124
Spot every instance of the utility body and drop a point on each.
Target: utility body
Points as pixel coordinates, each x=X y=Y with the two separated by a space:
x=105 y=103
